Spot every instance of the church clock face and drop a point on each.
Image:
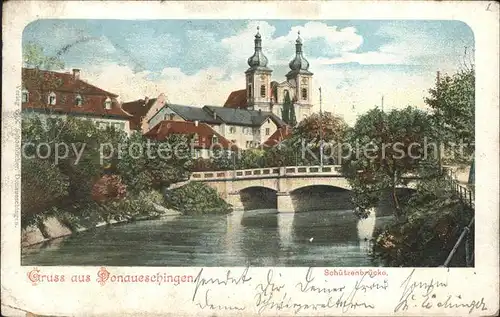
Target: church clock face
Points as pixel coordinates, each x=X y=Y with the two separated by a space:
x=262 y=77
x=304 y=81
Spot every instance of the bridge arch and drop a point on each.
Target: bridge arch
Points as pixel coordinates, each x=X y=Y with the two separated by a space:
x=258 y=197
x=293 y=184
x=320 y=197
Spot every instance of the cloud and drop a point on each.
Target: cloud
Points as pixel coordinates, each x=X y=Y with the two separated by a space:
x=350 y=93
x=207 y=86
x=199 y=66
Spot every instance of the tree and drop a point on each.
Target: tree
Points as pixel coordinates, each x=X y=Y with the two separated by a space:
x=435 y=220
x=34 y=57
x=293 y=118
x=384 y=149
x=222 y=159
x=41 y=81
x=251 y=158
x=169 y=161
x=308 y=133
x=287 y=105
x=453 y=104
x=66 y=179
x=333 y=127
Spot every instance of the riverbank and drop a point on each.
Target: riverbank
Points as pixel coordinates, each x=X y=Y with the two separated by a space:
x=187 y=199
x=54 y=227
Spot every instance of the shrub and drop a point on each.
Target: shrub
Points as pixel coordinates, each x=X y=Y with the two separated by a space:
x=196 y=198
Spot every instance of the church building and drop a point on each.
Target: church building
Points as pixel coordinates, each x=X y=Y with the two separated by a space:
x=263 y=93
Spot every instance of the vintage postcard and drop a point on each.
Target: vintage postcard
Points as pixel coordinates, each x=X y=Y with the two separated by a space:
x=250 y=158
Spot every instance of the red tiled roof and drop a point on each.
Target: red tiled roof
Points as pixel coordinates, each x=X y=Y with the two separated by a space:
x=61 y=81
x=237 y=99
x=204 y=132
x=40 y=83
x=278 y=136
x=138 y=109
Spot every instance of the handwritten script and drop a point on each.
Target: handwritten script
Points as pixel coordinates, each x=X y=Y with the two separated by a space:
x=273 y=295
x=229 y=280
x=431 y=293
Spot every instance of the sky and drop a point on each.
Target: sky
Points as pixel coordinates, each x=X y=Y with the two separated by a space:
x=199 y=62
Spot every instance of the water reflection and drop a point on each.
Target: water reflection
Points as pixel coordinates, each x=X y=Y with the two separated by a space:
x=257 y=238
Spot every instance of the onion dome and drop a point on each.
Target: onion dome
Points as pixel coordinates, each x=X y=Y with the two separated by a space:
x=299 y=62
x=258 y=59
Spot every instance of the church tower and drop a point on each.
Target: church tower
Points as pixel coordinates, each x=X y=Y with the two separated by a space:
x=258 y=79
x=300 y=78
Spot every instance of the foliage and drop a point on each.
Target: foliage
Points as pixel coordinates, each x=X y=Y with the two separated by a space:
x=160 y=164
x=334 y=128
x=108 y=187
x=81 y=190
x=196 y=198
x=42 y=185
x=34 y=57
x=135 y=206
x=250 y=158
x=287 y=153
x=203 y=165
x=307 y=135
x=383 y=152
x=435 y=219
x=286 y=111
x=56 y=176
x=453 y=103
x=293 y=118
x=223 y=159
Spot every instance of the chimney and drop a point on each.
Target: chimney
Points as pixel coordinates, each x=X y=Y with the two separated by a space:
x=215 y=115
x=195 y=123
x=76 y=74
x=146 y=99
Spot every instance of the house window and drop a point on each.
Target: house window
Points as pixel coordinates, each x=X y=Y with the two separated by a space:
x=249 y=91
x=197 y=153
x=25 y=95
x=249 y=144
x=121 y=126
x=215 y=139
x=268 y=131
x=304 y=94
x=107 y=103
x=232 y=130
x=263 y=90
x=172 y=116
x=78 y=100
x=52 y=99
x=196 y=139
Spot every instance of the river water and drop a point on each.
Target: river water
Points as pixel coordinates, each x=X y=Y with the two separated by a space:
x=255 y=238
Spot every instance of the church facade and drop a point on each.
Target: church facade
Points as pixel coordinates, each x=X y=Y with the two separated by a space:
x=265 y=94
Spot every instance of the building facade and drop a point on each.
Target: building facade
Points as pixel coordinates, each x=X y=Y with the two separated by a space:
x=48 y=94
x=263 y=93
x=241 y=127
x=142 y=110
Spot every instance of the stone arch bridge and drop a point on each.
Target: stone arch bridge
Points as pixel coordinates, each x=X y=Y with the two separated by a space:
x=287 y=189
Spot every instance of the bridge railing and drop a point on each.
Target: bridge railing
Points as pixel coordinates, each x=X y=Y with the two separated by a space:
x=268 y=172
x=467 y=197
